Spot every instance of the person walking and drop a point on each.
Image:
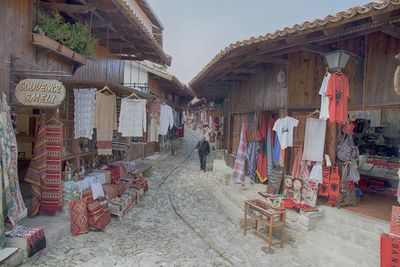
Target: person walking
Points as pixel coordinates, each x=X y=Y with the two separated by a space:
x=203 y=148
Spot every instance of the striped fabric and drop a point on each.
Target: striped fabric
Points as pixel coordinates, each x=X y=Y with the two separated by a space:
x=238 y=170
x=251 y=157
x=37 y=169
x=52 y=194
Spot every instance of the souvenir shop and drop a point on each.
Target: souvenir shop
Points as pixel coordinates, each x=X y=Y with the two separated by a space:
x=339 y=154
x=78 y=150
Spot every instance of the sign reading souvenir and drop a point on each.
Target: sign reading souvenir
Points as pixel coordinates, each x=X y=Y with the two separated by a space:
x=40 y=92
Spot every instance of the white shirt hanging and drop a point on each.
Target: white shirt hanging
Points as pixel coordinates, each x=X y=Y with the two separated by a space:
x=132 y=117
x=166 y=119
x=284 y=129
x=324 y=113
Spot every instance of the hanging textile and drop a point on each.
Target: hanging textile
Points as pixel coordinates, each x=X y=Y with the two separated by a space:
x=166 y=119
x=314 y=139
x=262 y=171
x=17 y=210
x=37 y=169
x=105 y=122
x=132 y=118
x=316 y=173
x=284 y=129
x=251 y=157
x=338 y=93
x=52 y=194
x=277 y=150
x=296 y=163
x=324 y=110
x=84 y=112
x=154 y=117
x=270 y=145
x=238 y=175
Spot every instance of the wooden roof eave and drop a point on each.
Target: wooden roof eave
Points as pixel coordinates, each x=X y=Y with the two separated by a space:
x=326 y=33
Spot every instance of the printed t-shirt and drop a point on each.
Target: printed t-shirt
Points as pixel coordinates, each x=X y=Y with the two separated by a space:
x=338 y=93
x=284 y=129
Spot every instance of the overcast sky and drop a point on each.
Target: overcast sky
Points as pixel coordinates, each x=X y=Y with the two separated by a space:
x=196 y=30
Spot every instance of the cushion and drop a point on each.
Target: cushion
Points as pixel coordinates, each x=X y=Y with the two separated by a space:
x=79 y=217
x=111 y=190
x=100 y=224
x=95 y=211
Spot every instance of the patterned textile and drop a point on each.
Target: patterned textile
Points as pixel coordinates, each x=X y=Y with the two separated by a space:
x=101 y=223
x=37 y=169
x=11 y=194
x=111 y=190
x=79 y=217
x=95 y=211
x=262 y=171
x=35 y=237
x=105 y=122
x=251 y=157
x=84 y=112
x=52 y=193
x=274 y=181
x=238 y=170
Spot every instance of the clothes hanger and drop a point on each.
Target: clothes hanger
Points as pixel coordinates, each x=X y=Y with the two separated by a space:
x=313 y=113
x=54 y=120
x=132 y=95
x=106 y=88
x=339 y=71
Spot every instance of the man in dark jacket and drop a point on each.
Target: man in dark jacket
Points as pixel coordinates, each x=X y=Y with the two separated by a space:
x=203 y=148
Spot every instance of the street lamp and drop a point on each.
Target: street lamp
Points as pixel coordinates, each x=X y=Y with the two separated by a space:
x=337 y=59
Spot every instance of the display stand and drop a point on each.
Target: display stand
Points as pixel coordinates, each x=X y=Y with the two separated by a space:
x=262 y=213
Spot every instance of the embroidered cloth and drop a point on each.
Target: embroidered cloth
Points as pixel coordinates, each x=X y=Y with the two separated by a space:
x=133 y=117
x=84 y=112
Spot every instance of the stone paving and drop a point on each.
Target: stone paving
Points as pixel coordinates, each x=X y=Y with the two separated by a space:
x=177 y=223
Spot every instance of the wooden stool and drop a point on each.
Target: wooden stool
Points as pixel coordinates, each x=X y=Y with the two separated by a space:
x=262 y=213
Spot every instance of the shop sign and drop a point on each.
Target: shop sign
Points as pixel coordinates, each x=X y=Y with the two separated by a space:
x=40 y=92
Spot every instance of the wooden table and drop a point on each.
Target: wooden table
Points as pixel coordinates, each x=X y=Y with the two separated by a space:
x=262 y=213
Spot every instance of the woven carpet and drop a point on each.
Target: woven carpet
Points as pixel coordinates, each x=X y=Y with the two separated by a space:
x=37 y=169
x=52 y=194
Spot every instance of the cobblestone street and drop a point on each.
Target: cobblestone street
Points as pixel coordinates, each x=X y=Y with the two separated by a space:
x=177 y=223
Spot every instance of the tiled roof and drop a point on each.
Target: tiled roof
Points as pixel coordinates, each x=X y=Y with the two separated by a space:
x=166 y=59
x=297 y=28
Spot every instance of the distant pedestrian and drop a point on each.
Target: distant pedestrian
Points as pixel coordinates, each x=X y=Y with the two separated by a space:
x=203 y=148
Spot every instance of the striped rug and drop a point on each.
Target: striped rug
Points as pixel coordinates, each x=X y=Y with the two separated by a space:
x=52 y=194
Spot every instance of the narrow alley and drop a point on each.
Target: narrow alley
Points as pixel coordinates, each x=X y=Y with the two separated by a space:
x=177 y=223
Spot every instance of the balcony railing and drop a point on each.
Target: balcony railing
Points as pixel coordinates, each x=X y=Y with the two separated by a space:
x=142 y=87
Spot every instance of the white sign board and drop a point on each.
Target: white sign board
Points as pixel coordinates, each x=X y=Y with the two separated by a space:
x=40 y=92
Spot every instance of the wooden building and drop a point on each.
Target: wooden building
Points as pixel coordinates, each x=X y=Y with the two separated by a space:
x=281 y=72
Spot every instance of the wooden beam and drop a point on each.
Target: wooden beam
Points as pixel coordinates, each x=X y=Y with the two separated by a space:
x=334 y=30
x=272 y=60
x=316 y=49
x=82 y=9
x=250 y=70
x=243 y=77
x=391 y=30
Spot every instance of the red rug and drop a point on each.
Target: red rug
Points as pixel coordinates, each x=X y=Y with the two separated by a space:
x=52 y=194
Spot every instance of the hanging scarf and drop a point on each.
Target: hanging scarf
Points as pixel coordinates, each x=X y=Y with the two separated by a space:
x=251 y=157
x=262 y=171
x=238 y=175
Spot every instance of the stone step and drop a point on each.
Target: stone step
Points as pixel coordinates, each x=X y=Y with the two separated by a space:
x=333 y=251
x=359 y=221
x=14 y=257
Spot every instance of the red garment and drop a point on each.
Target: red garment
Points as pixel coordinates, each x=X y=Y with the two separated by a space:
x=338 y=93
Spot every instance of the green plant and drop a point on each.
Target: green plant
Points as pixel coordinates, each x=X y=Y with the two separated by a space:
x=76 y=36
